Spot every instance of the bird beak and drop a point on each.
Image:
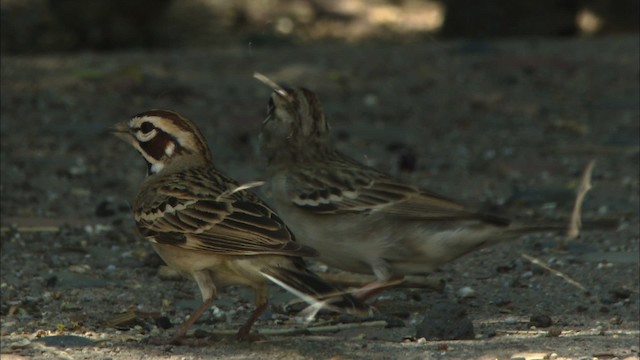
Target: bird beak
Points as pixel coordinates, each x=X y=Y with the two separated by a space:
x=121 y=130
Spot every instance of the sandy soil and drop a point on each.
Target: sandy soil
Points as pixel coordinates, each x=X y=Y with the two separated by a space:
x=507 y=125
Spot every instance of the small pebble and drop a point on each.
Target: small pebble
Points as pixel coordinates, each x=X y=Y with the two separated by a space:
x=526 y=274
x=466 y=292
x=616 y=320
x=511 y=320
x=370 y=100
x=554 y=332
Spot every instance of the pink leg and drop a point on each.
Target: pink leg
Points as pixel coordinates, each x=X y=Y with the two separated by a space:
x=182 y=331
x=375 y=287
x=262 y=300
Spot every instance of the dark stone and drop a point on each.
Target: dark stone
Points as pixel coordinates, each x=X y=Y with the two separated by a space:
x=407 y=161
x=163 y=322
x=503 y=269
x=105 y=209
x=66 y=341
x=446 y=321
x=540 y=320
x=51 y=281
x=200 y=334
x=581 y=308
x=393 y=322
x=608 y=299
x=620 y=293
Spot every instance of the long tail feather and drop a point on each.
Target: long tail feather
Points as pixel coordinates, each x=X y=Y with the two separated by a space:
x=316 y=292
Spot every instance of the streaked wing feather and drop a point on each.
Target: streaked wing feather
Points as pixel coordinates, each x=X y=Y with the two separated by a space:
x=237 y=224
x=364 y=190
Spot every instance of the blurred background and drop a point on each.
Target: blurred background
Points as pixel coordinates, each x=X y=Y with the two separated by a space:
x=36 y=26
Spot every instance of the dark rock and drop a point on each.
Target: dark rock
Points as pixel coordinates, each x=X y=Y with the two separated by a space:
x=105 y=209
x=446 y=321
x=608 y=299
x=163 y=322
x=620 y=293
x=402 y=314
x=407 y=160
x=581 y=308
x=200 y=334
x=66 y=341
x=51 y=281
x=540 y=320
x=393 y=322
x=503 y=269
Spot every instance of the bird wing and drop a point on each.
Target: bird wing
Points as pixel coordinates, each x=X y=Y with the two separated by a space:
x=206 y=213
x=349 y=187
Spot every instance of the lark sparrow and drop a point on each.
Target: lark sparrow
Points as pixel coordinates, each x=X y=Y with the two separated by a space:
x=207 y=226
x=358 y=218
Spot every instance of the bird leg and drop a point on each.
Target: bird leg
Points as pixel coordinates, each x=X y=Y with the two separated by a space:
x=262 y=299
x=182 y=331
x=375 y=287
x=208 y=291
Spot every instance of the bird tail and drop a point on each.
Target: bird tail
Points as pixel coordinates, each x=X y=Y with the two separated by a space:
x=318 y=293
x=561 y=228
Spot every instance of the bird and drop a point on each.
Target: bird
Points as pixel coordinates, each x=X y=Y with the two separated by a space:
x=212 y=229
x=358 y=218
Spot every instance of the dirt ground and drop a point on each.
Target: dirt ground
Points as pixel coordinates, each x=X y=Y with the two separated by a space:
x=507 y=125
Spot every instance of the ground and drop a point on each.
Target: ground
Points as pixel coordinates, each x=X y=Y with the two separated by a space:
x=505 y=125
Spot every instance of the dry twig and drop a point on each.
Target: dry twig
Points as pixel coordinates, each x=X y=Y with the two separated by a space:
x=554 y=271
x=585 y=185
x=311 y=329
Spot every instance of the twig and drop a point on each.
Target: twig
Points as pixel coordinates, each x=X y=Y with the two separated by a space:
x=313 y=329
x=554 y=271
x=29 y=229
x=585 y=185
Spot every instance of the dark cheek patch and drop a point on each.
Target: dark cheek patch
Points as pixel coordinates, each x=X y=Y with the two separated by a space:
x=156 y=146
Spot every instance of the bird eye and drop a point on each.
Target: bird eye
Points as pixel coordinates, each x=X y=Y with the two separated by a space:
x=146 y=127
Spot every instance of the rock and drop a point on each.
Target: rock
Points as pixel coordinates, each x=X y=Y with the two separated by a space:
x=163 y=322
x=540 y=321
x=105 y=209
x=66 y=341
x=446 y=321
